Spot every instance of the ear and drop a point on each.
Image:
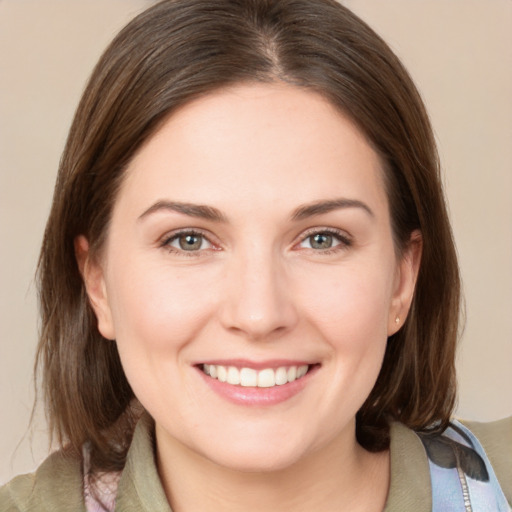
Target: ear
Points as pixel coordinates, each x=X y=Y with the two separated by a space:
x=94 y=280
x=405 y=282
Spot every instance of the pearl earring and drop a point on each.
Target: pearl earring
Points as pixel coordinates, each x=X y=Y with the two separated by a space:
x=397 y=320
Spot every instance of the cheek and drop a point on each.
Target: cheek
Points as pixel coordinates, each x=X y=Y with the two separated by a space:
x=156 y=308
x=156 y=314
x=350 y=312
x=350 y=305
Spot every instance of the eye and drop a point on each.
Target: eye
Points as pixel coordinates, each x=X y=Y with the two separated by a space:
x=320 y=241
x=325 y=240
x=188 y=241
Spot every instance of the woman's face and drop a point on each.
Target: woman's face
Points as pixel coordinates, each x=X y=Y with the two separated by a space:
x=251 y=242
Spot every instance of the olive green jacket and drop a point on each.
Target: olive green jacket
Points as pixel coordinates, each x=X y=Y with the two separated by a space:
x=57 y=485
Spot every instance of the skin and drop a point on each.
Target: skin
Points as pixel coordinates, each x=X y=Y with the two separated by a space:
x=259 y=289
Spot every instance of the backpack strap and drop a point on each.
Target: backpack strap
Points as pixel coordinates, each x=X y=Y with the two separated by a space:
x=461 y=474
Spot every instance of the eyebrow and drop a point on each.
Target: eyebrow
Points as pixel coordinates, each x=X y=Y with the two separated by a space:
x=320 y=207
x=213 y=214
x=192 y=210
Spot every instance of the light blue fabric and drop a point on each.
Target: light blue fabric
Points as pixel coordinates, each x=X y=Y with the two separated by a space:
x=462 y=477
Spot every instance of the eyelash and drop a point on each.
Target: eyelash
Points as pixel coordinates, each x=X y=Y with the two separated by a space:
x=167 y=240
x=343 y=239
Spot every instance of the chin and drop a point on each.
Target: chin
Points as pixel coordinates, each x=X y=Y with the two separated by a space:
x=255 y=461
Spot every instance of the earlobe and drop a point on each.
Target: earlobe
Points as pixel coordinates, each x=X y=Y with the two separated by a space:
x=94 y=280
x=405 y=283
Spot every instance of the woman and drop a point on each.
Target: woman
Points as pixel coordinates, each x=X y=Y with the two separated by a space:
x=249 y=270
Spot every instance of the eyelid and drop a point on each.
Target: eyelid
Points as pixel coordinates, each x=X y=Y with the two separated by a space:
x=165 y=240
x=342 y=236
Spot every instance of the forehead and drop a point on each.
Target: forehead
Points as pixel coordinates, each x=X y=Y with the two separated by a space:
x=256 y=143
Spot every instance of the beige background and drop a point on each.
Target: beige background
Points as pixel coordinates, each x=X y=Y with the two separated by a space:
x=458 y=51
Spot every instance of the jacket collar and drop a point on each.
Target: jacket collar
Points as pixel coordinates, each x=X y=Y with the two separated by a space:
x=140 y=488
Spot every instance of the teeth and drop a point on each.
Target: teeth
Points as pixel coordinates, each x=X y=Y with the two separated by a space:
x=301 y=371
x=222 y=373
x=233 y=376
x=281 y=376
x=267 y=378
x=248 y=377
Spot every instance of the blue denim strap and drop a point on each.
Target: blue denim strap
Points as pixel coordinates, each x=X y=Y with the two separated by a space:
x=461 y=474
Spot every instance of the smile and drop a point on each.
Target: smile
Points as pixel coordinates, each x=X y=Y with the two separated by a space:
x=249 y=377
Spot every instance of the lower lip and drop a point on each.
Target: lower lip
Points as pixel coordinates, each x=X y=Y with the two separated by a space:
x=254 y=396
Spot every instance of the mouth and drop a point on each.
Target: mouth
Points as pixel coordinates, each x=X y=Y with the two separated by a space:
x=256 y=378
x=260 y=384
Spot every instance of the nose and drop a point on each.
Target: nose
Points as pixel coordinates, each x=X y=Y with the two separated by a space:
x=258 y=303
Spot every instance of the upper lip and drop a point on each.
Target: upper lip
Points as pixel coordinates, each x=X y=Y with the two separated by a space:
x=256 y=365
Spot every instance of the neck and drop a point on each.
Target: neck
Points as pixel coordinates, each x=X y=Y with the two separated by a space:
x=336 y=477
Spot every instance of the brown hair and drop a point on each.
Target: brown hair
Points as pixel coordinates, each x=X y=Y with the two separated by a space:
x=170 y=54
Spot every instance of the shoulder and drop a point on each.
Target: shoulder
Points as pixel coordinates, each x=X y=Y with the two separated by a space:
x=496 y=439
x=55 y=486
x=420 y=463
x=410 y=478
